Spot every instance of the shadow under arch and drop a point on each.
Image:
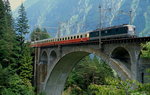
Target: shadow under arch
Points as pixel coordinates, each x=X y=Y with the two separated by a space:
x=53 y=56
x=122 y=55
x=57 y=78
x=43 y=66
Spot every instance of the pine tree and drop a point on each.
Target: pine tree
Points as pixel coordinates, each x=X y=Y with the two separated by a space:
x=10 y=34
x=22 y=26
x=45 y=34
x=2 y=19
x=24 y=59
x=25 y=69
x=39 y=34
x=10 y=82
x=7 y=34
x=2 y=32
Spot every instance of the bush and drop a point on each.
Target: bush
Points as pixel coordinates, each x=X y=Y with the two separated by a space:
x=11 y=84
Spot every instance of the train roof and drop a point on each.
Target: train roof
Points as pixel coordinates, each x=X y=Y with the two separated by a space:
x=118 y=26
x=61 y=37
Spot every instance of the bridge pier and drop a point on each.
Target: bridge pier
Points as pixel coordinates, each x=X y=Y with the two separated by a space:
x=143 y=70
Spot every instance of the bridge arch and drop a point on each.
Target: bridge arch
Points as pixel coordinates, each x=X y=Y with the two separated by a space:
x=52 y=56
x=55 y=82
x=123 y=55
x=44 y=58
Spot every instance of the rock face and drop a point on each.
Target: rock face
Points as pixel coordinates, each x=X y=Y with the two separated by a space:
x=74 y=16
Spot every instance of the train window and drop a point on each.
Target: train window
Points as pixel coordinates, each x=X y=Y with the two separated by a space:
x=85 y=35
x=74 y=37
x=116 y=30
x=80 y=36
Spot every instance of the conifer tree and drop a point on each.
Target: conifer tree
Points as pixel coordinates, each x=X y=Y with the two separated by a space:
x=25 y=59
x=39 y=34
x=11 y=35
x=2 y=19
x=26 y=68
x=7 y=34
x=2 y=30
x=22 y=26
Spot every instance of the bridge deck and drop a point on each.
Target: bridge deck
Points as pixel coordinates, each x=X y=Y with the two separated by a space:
x=128 y=40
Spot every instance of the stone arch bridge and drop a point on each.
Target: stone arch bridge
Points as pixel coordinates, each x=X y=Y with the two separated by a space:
x=54 y=63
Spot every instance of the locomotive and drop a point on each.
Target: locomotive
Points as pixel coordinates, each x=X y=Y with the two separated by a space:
x=120 y=31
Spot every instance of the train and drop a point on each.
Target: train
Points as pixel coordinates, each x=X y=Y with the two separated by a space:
x=120 y=31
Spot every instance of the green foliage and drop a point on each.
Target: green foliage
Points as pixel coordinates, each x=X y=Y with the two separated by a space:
x=105 y=90
x=14 y=53
x=91 y=77
x=2 y=19
x=11 y=84
x=118 y=87
x=25 y=65
x=22 y=24
x=39 y=34
x=7 y=35
x=86 y=72
x=146 y=50
x=146 y=54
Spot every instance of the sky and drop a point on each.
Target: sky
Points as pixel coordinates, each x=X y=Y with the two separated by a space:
x=15 y=3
